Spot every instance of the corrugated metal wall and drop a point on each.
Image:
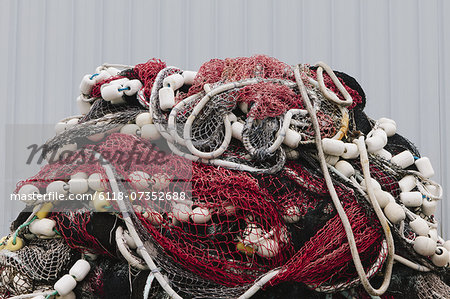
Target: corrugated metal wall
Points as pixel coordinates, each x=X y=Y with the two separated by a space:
x=397 y=50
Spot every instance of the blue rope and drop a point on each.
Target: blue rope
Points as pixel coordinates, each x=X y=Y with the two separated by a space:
x=20 y=227
x=124 y=88
x=52 y=294
x=92 y=77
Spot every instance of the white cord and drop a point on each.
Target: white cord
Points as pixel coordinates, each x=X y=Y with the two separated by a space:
x=340 y=210
x=131 y=229
x=411 y=264
x=260 y=283
x=126 y=252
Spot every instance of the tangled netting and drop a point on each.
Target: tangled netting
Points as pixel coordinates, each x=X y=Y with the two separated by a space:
x=222 y=183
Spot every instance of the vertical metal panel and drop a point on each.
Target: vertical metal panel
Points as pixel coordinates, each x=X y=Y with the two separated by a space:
x=397 y=50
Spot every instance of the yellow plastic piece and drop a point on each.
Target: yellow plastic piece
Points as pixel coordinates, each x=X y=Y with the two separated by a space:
x=3 y=242
x=344 y=126
x=14 y=247
x=245 y=249
x=45 y=209
x=100 y=203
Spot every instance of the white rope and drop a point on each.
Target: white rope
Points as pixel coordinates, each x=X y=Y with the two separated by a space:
x=411 y=264
x=131 y=229
x=260 y=283
x=332 y=96
x=126 y=252
x=340 y=210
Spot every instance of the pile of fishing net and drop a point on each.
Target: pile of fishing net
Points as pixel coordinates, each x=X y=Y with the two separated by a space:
x=247 y=178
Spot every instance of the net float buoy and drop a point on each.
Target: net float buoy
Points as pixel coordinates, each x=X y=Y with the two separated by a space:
x=113 y=71
x=350 y=151
x=181 y=212
x=407 y=183
x=268 y=248
x=72 y=123
x=345 y=168
x=95 y=182
x=65 y=285
x=58 y=187
x=411 y=199
x=87 y=83
x=446 y=245
x=132 y=87
x=150 y=132
x=154 y=217
x=433 y=234
x=83 y=106
x=434 y=190
x=292 y=214
x=386 y=120
x=383 y=198
x=419 y=226
x=139 y=179
x=383 y=154
x=252 y=234
x=130 y=129
x=236 y=130
x=441 y=257
x=242 y=105
x=200 y=215
x=29 y=191
x=389 y=127
x=43 y=227
x=144 y=119
x=424 y=166
x=374 y=183
x=375 y=143
x=189 y=77
x=112 y=92
x=232 y=117
x=78 y=185
x=60 y=127
x=292 y=138
x=174 y=81
x=44 y=210
x=394 y=212
x=166 y=98
x=429 y=206
x=100 y=202
x=424 y=246
x=80 y=269
x=14 y=246
x=333 y=147
x=160 y=181
x=292 y=154
x=403 y=159
x=332 y=160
